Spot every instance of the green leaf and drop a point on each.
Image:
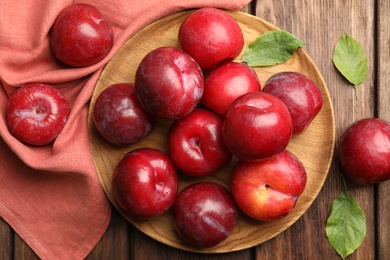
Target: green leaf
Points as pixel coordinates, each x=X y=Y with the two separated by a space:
x=271 y=48
x=351 y=61
x=346 y=225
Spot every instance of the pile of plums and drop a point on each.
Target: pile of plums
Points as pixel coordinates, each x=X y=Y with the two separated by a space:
x=218 y=111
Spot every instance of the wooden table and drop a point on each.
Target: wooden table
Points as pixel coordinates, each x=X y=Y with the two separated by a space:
x=320 y=24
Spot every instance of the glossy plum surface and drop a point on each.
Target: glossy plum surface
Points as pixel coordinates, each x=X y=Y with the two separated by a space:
x=195 y=143
x=204 y=214
x=169 y=83
x=145 y=183
x=268 y=190
x=37 y=113
x=301 y=95
x=364 y=151
x=210 y=36
x=226 y=83
x=257 y=126
x=80 y=35
x=119 y=117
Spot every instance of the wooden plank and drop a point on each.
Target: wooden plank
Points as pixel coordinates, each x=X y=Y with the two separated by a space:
x=145 y=247
x=383 y=83
x=6 y=235
x=21 y=250
x=249 y=8
x=320 y=24
x=116 y=241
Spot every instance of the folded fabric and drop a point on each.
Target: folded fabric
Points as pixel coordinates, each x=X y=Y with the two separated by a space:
x=51 y=195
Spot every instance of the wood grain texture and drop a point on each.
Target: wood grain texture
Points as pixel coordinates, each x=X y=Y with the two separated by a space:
x=144 y=247
x=321 y=24
x=21 y=250
x=314 y=147
x=383 y=108
x=5 y=240
x=116 y=240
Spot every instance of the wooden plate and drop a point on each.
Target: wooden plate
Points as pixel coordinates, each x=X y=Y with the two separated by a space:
x=314 y=147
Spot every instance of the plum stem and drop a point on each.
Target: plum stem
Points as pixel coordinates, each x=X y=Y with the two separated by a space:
x=356 y=92
x=344 y=181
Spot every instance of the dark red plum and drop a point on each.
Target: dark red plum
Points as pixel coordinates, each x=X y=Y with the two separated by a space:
x=211 y=36
x=169 y=83
x=119 y=117
x=204 y=214
x=195 y=143
x=301 y=95
x=80 y=35
x=364 y=151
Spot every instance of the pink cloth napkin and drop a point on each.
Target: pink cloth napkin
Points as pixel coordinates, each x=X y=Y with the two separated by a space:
x=51 y=195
